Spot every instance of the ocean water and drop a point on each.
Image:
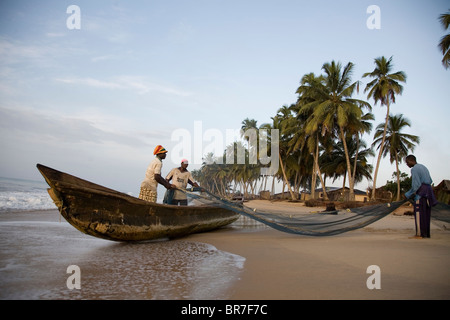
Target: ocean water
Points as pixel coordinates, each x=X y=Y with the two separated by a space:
x=36 y=249
x=37 y=246
x=35 y=256
x=24 y=195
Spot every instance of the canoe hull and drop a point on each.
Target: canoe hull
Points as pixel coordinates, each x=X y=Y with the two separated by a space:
x=112 y=215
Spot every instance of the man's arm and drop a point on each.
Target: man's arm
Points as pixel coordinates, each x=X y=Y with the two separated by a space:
x=193 y=183
x=164 y=182
x=170 y=175
x=415 y=184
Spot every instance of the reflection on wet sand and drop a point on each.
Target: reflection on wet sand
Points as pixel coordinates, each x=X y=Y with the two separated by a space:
x=248 y=223
x=157 y=270
x=35 y=256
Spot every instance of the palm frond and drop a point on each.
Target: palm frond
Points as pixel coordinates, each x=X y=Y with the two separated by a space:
x=445 y=20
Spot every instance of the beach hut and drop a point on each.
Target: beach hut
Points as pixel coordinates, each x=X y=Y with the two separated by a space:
x=342 y=195
x=336 y=194
x=442 y=191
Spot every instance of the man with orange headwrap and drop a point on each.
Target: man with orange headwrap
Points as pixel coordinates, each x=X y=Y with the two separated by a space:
x=153 y=176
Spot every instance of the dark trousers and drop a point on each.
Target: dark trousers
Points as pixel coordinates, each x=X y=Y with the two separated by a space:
x=422 y=216
x=179 y=202
x=168 y=199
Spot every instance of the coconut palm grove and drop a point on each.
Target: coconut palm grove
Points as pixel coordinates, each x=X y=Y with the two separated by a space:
x=323 y=135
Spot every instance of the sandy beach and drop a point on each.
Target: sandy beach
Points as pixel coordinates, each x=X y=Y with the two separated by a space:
x=285 y=266
x=251 y=262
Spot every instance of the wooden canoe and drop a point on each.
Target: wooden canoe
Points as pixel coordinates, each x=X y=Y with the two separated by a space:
x=112 y=215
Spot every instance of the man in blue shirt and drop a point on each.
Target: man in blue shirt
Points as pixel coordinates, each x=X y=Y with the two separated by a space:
x=423 y=195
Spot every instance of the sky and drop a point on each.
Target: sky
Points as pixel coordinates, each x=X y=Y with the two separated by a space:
x=92 y=90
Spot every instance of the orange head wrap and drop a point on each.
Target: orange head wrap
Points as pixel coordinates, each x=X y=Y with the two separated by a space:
x=159 y=149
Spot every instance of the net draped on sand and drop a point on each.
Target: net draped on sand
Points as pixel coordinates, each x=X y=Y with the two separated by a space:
x=325 y=223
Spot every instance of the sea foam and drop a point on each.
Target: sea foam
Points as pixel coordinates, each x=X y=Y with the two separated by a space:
x=23 y=195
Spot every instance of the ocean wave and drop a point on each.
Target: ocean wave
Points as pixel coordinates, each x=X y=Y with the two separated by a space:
x=19 y=201
x=23 y=195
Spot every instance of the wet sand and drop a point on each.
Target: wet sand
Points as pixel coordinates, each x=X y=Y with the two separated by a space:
x=250 y=262
x=37 y=248
x=291 y=267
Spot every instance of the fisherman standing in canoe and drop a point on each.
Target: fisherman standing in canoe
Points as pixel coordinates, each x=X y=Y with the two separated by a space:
x=180 y=177
x=153 y=176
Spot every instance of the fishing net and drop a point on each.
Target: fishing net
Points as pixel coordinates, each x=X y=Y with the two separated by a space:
x=441 y=213
x=325 y=223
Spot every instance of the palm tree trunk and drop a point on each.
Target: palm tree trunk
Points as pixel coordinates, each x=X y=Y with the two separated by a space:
x=314 y=173
x=343 y=183
x=398 y=176
x=381 y=152
x=224 y=189
x=356 y=157
x=285 y=178
x=316 y=159
x=351 y=193
x=273 y=185
x=313 y=180
x=252 y=188
x=215 y=185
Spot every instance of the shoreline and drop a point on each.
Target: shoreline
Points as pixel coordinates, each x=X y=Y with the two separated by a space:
x=282 y=266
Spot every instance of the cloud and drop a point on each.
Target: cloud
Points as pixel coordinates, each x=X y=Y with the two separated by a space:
x=55 y=129
x=103 y=58
x=55 y=34
x=92 y=83
x=12 y=52
x=136 y=83
x=181 y=33
x=16 y=53
x=98 y=146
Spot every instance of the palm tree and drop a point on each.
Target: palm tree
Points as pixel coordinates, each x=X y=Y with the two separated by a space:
x=310 y=132
x=295 y=143
x=383 y=88
x=249 y=127
x=267 y=127
x=335 y=164
x=334 y=108
x=245 y=174
x=283 y=115
x=246 y=125
x=444 y=44
x=358 y=127
x=397 y=144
